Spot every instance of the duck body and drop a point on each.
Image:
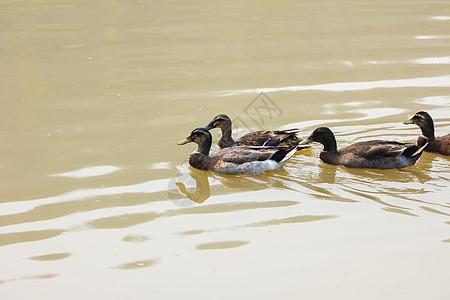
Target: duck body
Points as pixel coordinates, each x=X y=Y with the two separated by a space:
x=376 y=154
x=278 y=138
x=439 y=145
x=235 y=160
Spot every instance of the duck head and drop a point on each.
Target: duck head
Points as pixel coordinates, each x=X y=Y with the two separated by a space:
x=324 y=136
x=201 y=137
x=424 y=121
x=221 y=121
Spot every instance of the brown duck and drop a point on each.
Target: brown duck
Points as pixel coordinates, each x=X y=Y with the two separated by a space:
x=280 y=138
x=440 y=145
x=235 y=160
x=377 y=154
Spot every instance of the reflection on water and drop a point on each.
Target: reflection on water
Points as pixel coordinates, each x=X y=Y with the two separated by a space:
x=88 y=172
x=199 y=193
x=441 y=18
x=420 y=61
x=431 y=37
x=440 y=81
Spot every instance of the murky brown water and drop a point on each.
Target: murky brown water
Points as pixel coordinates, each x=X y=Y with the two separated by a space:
x=95 y=193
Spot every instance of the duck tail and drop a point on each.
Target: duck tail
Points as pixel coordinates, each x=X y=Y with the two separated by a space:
x=282 y=155
x=419 y=151
x=414 y=150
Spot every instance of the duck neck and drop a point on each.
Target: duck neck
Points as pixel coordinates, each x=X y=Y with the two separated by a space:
x=428 y=129
x=204 y=147
x=226 y=136
x=330 y=144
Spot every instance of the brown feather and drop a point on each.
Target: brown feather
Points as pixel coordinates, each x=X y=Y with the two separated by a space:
x=439 y=145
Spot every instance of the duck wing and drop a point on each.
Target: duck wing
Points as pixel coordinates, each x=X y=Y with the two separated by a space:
x=377 y=149
x=277 y=137
x=257 y=138
x=243 y=154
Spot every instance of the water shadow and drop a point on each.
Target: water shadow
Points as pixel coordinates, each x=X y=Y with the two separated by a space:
x=50 y=257
x=295 y=219
x=28 y=236
x=221 y=245
x=31 y=277
x=127 y=220
x=139 y=264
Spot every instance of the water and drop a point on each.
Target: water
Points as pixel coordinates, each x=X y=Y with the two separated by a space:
x=97 y=200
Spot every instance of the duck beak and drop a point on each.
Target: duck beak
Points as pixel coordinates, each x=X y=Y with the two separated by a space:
x=210 y=126
x=185 y=141
x=308 y=140
x=410 y=121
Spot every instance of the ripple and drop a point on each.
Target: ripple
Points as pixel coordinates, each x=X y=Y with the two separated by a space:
x=161 y=165
x=221 y=245
x=139 y=264
x=192 y=232
x=444 y=60
x=88 y=172
x=28 y=236
x=52 y=256
x=434 y=100
x=151 y=186
x=31 y=277
x=122 y=221
x=435 y=211
x=296 y=219
x=441 y=18
x=400 y=211
x=131 y=219
x=136 y=238
x=431 y=37
x=438 y=81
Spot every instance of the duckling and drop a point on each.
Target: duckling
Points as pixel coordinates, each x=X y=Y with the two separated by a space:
x=377 y=154
x=440 y=145
x=234 y=160
x=280 y=138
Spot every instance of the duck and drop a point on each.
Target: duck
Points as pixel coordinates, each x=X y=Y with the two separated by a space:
x=280 y=138
x=439 y=145
x=375 y=154
x=234 y=160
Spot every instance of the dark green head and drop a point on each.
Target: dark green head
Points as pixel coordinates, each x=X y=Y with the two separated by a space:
x=324 y=136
